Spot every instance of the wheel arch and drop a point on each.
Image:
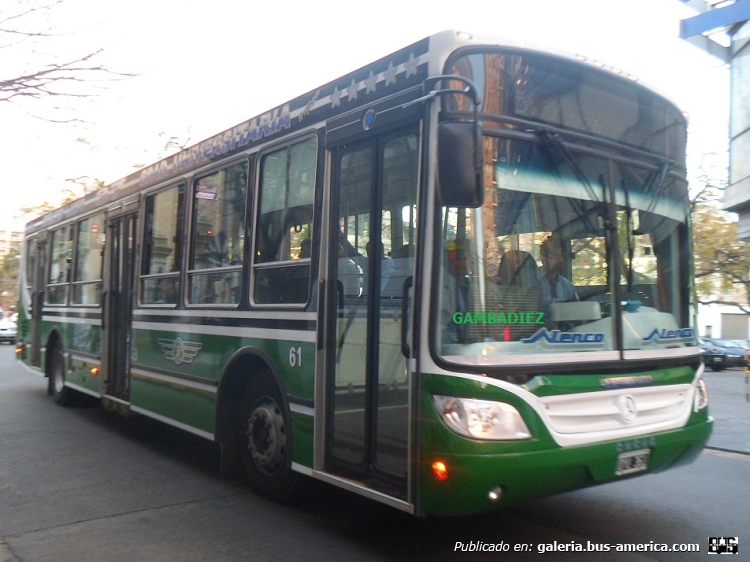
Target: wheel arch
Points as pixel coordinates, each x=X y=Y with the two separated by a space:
x=53 y=339
x=241 y=370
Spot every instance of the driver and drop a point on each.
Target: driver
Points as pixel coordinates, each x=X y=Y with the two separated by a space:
x=555 y=286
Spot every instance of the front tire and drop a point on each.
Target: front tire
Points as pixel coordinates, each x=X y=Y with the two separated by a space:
x=264 y=435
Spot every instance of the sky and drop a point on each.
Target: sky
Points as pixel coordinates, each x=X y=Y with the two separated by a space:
x=197 y=68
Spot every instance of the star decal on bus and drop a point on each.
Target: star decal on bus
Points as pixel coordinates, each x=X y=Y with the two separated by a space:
x=371 y=83
x=336 y=97
x=179 y=351
x=411 y=65
x=390 y=74
x=352 y=90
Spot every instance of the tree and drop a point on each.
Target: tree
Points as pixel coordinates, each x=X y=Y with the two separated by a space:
x=722 y=262
x=709 y=185
x=39 y=79
x=9 y=274
x=82 y=185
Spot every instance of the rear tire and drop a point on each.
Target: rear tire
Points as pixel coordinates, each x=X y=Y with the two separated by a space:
x=264 y=437
x=56 y=383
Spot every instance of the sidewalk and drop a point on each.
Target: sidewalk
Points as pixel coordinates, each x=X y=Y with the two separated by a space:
x=730 y=410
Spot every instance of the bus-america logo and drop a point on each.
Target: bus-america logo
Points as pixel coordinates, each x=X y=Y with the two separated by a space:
x=179 y=351
x=683 y=334
x=556 y=337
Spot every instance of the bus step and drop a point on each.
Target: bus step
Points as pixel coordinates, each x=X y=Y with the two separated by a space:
x=116 y=405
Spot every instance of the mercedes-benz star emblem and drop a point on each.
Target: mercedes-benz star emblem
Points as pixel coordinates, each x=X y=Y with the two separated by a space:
x=628 y=408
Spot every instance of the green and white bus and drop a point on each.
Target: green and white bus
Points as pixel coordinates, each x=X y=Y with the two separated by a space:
x=351 y=286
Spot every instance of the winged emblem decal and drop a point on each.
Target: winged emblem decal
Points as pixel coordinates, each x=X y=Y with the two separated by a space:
x=179 y=351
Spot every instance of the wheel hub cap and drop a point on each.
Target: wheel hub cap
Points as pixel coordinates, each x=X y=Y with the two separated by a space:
x=267 y=437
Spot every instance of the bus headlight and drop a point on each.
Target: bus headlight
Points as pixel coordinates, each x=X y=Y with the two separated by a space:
x=481 y=419
x=701 y=396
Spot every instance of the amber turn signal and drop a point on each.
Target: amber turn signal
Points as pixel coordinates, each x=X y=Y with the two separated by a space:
x=439 y=471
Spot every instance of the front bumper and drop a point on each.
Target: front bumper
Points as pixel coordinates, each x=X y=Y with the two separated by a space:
x=523 y=475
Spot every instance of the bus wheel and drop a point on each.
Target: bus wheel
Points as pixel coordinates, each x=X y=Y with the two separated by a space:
x=56 y=383
x=265 y=441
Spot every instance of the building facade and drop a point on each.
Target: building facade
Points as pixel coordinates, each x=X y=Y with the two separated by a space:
x=11 y=234
x=733 y=19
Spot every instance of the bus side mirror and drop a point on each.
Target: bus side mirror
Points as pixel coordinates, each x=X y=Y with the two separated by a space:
x=459 y=165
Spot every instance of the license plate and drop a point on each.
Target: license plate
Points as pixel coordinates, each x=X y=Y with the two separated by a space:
x=633 y=461
x=717 y=359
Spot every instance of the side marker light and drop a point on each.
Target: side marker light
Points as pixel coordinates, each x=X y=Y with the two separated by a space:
x=439 y=471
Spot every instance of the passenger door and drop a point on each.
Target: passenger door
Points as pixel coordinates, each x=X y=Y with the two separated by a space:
x=37 y=251
x=371 y=241
x=118 y=305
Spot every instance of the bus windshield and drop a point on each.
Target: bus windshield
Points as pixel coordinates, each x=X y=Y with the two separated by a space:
x=568 y=95
x=568 y=241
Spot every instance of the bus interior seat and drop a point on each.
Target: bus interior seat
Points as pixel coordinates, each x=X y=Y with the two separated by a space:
x=518 y=269
x=403 y=263
x=518 y=290
x=405 y=251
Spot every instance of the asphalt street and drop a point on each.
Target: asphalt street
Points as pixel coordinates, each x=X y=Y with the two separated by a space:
x=730 y=409
x=84 y=484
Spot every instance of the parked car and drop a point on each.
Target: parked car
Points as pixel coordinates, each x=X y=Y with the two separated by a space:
x=7 y=330
x=735 y=351
x=714 y=357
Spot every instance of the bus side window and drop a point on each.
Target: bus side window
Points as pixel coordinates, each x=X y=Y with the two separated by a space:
x=88 y=266
x=162 y=246
x=60 y=264
x=218 y=236
x=286 y=193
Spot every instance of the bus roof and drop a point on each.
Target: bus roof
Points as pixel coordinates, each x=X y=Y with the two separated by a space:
x=401 y=70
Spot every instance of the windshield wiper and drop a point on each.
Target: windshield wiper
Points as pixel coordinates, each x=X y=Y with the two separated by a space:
x=553 y=143
x=612 y=251
x=629 y=234
x=654 y=192
x=552 y=140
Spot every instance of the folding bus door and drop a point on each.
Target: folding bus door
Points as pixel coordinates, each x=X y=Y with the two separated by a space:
x=374 y=189
x=118 y=305
x=37 y=252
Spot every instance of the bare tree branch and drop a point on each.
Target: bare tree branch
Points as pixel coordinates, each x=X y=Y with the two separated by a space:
x=26 y=10
x=710 y=188
x=47 y=81
x=63 y=80
x=722 y=262
x=743 y=307
x=24 y=13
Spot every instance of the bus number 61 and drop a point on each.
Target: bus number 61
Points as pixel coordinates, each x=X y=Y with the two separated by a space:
x=295 y=356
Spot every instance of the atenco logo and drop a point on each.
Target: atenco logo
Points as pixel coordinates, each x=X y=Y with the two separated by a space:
x=558 y=337
x=661 y=335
